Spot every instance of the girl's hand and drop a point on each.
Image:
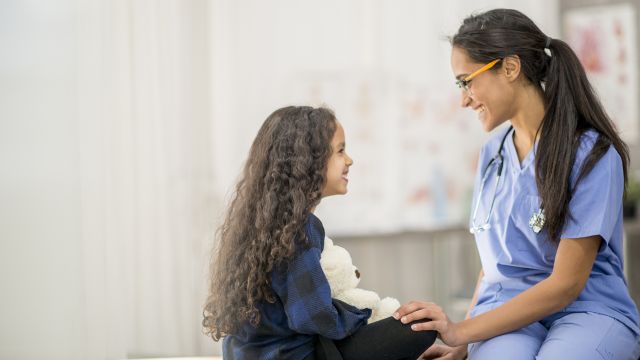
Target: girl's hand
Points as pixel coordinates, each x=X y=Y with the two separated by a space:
x=444 y=352
x=436 y=320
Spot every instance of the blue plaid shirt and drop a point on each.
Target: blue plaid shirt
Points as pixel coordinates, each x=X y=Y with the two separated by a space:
x=303 y=309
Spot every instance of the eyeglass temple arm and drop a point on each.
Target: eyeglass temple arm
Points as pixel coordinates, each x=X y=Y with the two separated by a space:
x=484 y=68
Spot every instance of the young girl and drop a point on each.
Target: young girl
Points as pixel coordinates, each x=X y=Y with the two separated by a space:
x=547 y=210
x=269 y=298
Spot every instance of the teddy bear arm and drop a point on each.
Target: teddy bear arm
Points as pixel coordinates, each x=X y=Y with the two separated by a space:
x=385 y=308
x=360 y=298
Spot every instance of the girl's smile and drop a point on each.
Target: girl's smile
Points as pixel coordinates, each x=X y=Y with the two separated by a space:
x=337 y=176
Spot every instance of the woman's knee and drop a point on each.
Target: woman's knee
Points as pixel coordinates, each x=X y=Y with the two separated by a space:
x=589 y=336
x=520 y=344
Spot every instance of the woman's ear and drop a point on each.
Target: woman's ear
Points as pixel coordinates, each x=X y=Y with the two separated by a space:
x=511 y=67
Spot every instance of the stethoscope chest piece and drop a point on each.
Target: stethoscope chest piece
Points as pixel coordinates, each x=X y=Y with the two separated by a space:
x=537 y=221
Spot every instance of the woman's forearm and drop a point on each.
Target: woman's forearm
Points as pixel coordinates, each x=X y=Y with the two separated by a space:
x=572 y=266
x=573 y=263
x=539 y=301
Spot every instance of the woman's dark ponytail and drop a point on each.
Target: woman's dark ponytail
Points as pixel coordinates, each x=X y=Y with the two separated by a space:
x=572 y=107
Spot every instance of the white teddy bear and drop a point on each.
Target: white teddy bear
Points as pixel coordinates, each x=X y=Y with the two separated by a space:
x=343 y=279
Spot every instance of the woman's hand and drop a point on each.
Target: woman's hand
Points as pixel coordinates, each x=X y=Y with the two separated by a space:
x=437 y=320
x=444 y=352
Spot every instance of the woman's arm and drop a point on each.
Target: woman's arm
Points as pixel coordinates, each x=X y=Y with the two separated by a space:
x=574 y=260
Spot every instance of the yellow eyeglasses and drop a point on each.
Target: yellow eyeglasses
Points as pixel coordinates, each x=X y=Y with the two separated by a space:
x=464 y=83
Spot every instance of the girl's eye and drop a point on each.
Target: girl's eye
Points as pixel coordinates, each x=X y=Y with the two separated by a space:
x=341 y=151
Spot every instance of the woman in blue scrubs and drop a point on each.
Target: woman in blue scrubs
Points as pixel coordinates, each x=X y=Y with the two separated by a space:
x=547 y=209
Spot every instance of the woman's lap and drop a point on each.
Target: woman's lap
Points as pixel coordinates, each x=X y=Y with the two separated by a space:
x=573 y=336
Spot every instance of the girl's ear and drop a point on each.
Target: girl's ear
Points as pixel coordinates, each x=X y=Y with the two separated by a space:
x=511 y=67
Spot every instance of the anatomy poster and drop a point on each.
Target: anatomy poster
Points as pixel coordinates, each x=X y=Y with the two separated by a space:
x=604 y=38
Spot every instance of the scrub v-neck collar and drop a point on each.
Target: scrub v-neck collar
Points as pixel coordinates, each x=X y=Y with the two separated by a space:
x=513 y=154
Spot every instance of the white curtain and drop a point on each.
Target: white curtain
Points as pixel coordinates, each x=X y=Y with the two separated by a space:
x=146 y=175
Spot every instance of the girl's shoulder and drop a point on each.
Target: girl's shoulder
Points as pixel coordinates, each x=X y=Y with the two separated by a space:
x=314 y=230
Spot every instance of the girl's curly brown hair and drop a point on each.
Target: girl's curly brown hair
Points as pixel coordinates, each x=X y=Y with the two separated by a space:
x=281 y=183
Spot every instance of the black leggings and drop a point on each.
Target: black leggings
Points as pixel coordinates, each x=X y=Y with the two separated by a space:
x=387 y=339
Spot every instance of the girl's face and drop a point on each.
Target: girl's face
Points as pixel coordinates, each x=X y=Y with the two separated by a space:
x=338 y=165
x=490 y=93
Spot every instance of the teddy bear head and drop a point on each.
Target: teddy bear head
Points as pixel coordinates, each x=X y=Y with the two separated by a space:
x=338 y=268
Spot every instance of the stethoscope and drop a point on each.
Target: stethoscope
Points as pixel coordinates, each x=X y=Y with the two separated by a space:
x=537 y=219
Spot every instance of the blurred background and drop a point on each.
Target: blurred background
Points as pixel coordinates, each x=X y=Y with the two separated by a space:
x=125 y=123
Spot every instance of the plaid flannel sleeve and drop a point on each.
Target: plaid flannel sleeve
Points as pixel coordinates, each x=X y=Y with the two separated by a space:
x=306 y=296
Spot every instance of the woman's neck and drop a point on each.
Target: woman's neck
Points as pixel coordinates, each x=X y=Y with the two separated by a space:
x=527 y=120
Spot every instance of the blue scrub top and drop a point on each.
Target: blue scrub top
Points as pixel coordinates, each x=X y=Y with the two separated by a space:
x=514 y=257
